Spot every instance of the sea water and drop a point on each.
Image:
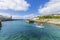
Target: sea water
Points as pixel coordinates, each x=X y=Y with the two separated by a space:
x=20 y=30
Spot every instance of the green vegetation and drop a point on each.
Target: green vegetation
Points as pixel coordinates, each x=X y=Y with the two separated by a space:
x=50 y=16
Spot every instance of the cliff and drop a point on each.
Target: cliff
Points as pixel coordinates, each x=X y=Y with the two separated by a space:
x=53 y=18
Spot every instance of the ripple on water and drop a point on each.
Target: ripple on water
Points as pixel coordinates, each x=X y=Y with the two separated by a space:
x=20 y=31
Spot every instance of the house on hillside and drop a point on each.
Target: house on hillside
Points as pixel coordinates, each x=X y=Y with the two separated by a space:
x=56 y=14
x=35 y=18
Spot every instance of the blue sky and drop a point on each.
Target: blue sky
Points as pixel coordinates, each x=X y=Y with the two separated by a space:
x=26 y=7
x=35 y=4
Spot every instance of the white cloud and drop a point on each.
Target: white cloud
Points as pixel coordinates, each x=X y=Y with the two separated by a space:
x=5 y=14
x=29 y=16
x=14 y=4
x=52 y=7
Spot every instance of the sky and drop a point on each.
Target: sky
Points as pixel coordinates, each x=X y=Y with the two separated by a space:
x=26 y=9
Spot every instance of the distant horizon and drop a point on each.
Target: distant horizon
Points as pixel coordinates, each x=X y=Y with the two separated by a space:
x=7 y=15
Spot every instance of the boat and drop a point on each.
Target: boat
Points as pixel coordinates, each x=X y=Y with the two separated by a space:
x=39 y=25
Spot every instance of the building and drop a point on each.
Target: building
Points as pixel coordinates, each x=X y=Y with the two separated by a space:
x=5 y=17
x=36 y=18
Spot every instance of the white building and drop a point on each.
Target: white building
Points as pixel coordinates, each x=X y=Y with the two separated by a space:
x=5 y=17
x=36 y=18
x=57 y=15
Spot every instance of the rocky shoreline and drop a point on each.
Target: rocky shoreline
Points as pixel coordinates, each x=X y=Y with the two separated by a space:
x=51 y=21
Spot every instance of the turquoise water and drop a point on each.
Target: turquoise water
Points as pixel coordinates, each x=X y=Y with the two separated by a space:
x=19 y=30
